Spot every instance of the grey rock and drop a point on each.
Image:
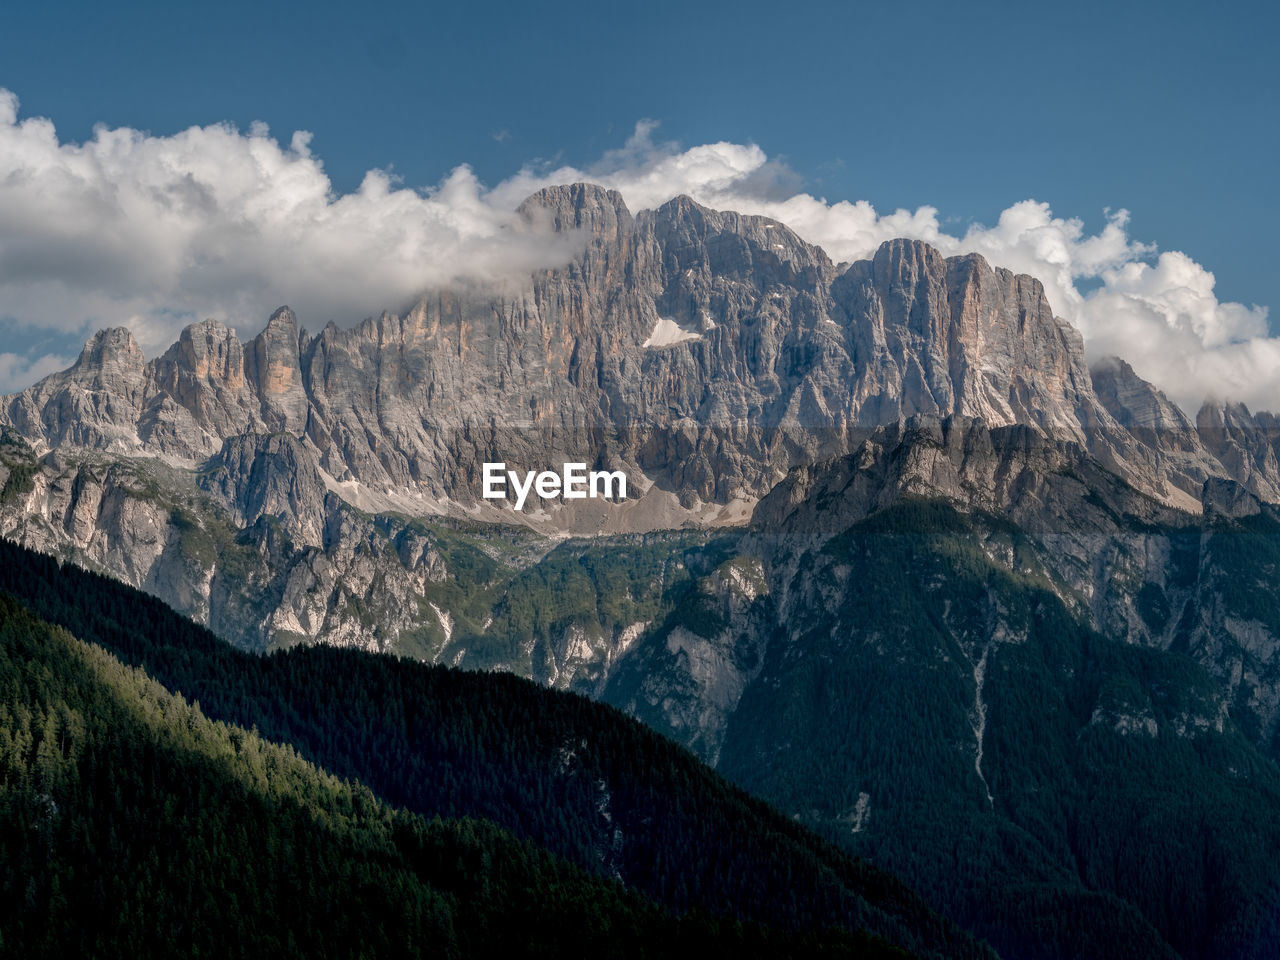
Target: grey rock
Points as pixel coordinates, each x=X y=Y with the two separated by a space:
x=275 y=476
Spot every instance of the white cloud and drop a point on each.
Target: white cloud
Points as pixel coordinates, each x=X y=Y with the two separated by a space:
x=1166 y=321
x=215 y=222
x=156 y=231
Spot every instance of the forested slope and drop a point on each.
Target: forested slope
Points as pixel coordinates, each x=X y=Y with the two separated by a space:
x=576 y=777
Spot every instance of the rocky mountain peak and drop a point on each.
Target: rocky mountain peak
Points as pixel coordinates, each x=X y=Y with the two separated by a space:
x=936 y=336
x=580 y=206
x=209 y=350
x=272 y=366
x=114 y=349
x=1166 y=437
x=1245 y=445
x=684 y=217
x=736 y=246
x=1134 y=402
x=1215 y=416
x=281 y=326
x=907 y=263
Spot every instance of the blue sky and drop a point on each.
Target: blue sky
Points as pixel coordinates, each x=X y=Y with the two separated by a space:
x=1166 y=110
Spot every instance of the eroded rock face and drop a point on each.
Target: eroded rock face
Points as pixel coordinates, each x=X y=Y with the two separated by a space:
x=1130 y=566
x=1244 y=444
x=96 y=403
x=200 y=393
x=275 y=475
x=1220 y=443
x=705 y=352
x=270 y=563
x=101 y=514
x=940 y=336
x=687 y=676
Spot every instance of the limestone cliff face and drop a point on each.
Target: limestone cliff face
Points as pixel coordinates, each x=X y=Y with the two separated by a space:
x=272 y=561
x=705 y=352
x=1222 y=442
x=938 y=336
x=687 y=675
x=276 y=476
x=1246 y=445
x=97 y=403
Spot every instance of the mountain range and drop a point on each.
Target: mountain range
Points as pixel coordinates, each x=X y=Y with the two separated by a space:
x=895 y=557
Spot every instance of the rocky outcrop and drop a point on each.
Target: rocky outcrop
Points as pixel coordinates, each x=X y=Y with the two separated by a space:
x=938 y=336
x=275 y=476
x=272 y=562
x=97 y=403
x=1223 y=442
x=1245 y=445
x=688 y=674
x=1130 y=566
x=1050 y=485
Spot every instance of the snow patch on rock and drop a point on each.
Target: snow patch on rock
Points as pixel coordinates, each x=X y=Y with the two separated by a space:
x=667 y=332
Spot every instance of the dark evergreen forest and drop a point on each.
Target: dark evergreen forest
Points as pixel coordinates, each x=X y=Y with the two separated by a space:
x=132 y=820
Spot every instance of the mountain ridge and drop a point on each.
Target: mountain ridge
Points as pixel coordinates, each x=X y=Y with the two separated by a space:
x=783 y=359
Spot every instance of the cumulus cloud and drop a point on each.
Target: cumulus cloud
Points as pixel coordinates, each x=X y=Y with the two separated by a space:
x=155 y=231
x=1165 y=319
